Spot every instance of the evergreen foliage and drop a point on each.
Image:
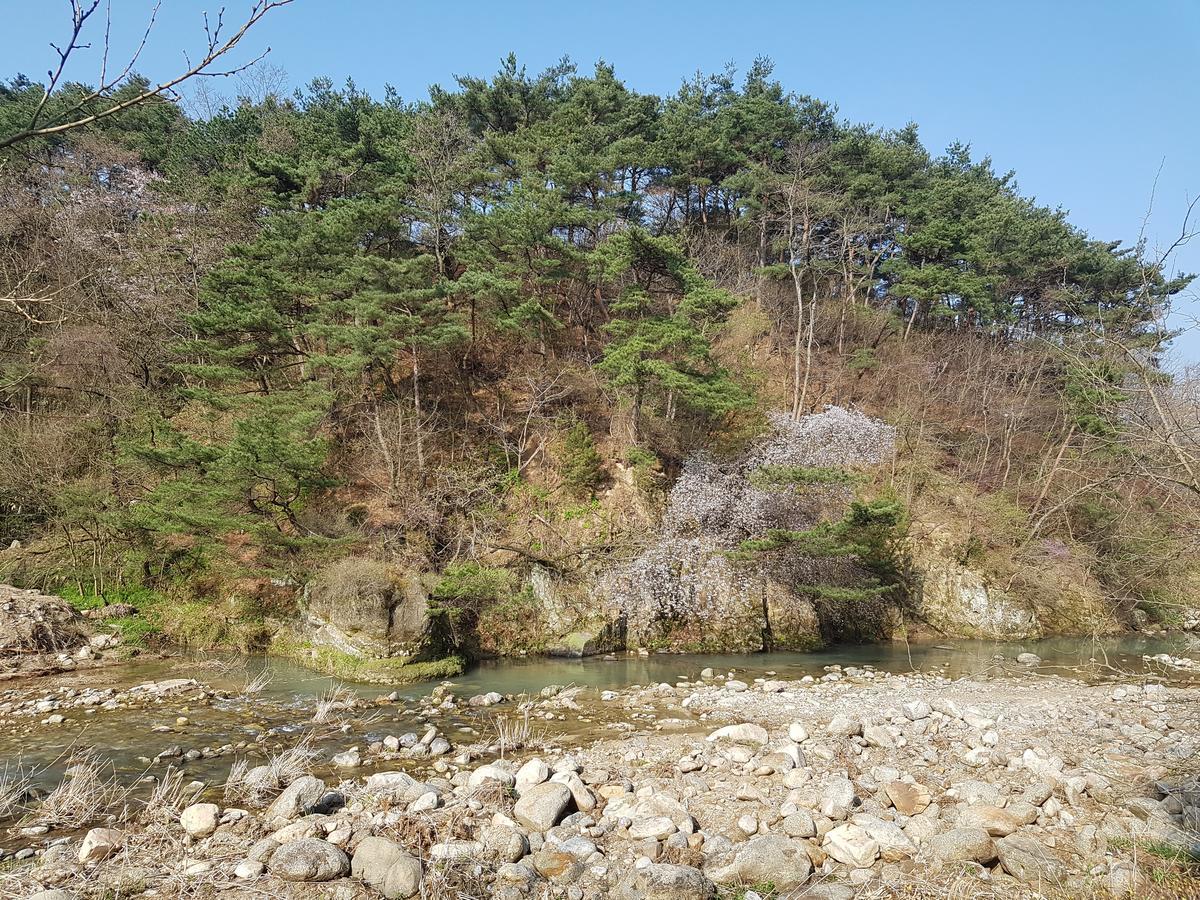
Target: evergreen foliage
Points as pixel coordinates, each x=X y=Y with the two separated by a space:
x=245 y=324
x=582 y=471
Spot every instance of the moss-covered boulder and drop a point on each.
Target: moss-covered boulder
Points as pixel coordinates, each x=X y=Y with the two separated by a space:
x=362 y=606
x=290 y=643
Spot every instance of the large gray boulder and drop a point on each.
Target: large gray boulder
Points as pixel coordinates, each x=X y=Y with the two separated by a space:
x=838 y=798
x=387 y=867
x=1032 y=862
x=364 y=606
x=297 y=799
x=308 y=859
x=962 y=845
x=542 y=806
x=995 y=821
x=397 y=786
x=769 y=858
x=33 y=622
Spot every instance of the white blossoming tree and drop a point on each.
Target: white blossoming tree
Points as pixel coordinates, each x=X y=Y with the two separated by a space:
x=782 y=519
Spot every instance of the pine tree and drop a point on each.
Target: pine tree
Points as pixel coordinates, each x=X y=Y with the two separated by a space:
x=665 y=312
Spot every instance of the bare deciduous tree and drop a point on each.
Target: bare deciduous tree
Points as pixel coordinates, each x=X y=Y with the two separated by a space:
x=442 y=151
x=800 y=206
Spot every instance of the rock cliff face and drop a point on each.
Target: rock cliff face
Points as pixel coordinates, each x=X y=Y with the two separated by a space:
x=41 y=634
x=362 y=607
x=696 y=587
x=685 y=594
x=1050 y=592
x=33 y=622
x=954 y=600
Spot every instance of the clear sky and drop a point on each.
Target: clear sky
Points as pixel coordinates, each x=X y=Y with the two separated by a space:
x=1088 y=100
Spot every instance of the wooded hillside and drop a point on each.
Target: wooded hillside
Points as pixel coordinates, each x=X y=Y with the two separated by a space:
x=482 y=332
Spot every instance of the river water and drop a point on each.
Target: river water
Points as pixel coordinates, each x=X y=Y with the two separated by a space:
x=284 y=708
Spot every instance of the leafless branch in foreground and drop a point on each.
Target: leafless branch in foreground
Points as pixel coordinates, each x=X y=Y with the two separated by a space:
x=219 y=43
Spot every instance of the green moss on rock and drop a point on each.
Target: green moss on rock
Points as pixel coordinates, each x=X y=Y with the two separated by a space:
x=367 y=669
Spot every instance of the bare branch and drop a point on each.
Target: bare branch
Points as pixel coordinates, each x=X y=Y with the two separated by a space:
x=74 y=117
x=20 y=305
x=79 y=17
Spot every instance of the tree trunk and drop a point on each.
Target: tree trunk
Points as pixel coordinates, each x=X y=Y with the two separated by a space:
x=796 y=368
x=636 y=423
x=417 y=429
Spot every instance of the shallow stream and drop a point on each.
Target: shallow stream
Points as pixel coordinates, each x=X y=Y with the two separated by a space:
x=284 y=708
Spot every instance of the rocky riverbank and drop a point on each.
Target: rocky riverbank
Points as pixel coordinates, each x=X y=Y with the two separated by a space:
x=41 y=634
x=854 y=784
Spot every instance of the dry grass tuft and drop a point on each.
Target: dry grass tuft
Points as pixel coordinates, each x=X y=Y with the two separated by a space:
x=517 y=734
x=172 y=794
x=15 y=781
x=683 y=856
x=494 y=796
x=333 y=704
x=463 y=879
x=257 y=784
x=88 y=791
x=257 y=684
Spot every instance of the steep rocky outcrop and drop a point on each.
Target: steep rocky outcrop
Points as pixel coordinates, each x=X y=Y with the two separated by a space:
x=41 y=634
x=1050 y=591
x=956 y=601
x=363 y=607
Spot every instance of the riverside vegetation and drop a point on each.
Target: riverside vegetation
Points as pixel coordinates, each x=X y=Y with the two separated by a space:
x=543 y=364
x=377 y=383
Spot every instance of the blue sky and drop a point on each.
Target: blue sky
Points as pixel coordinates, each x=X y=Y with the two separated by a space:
x=1088 y=100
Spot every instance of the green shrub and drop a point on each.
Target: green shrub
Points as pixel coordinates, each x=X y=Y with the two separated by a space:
x=646 y=468
x=139 y=630
x=459 y=598
x=508 y=624
x=582 y=472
